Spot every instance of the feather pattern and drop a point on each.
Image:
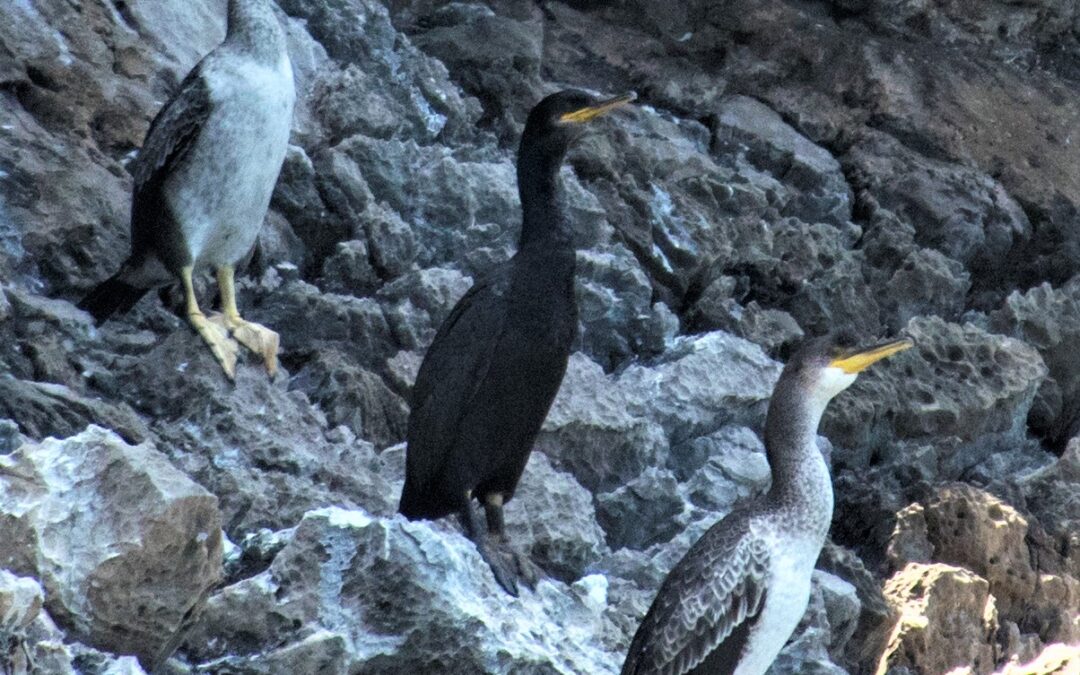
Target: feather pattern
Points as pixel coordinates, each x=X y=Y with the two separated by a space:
x=716 y=589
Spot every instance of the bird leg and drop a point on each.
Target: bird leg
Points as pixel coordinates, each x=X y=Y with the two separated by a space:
x=474 y=529
x=224 y=348
x=527 y=570
x=258 y=339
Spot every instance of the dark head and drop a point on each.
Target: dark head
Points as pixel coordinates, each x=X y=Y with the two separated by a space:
x=254 y=28
x=553 y=124
x=559 y=119
x=821 y=369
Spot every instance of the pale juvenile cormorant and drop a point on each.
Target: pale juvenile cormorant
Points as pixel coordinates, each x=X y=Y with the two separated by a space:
x=734 y=599
x=204 y=178
x=489 y=377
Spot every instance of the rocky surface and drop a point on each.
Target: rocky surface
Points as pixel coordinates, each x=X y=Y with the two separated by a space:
x=792 y=168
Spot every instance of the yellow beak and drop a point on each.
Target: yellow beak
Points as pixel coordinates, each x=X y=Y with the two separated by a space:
x=861 y=359
x=593 y=111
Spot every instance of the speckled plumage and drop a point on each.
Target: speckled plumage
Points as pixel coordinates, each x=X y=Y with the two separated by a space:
x=731 y=603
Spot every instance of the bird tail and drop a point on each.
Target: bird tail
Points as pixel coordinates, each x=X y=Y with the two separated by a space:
x=111 y=296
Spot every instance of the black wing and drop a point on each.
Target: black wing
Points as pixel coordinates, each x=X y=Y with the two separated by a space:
x=171 y=136
x=706 y=606
x=452 y=371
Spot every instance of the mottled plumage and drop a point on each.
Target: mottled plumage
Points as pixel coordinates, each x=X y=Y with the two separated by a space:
x=729 y=605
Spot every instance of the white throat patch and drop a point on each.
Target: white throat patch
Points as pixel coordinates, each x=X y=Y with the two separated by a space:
x=832 y=381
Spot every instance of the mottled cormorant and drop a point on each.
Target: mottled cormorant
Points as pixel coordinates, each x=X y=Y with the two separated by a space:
x=489 y=377
x=204 y=177
x=734 y=599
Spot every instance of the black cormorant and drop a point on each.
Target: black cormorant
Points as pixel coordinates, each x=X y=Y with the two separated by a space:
x=204 y=178
x=736 y=596
x=489 y=377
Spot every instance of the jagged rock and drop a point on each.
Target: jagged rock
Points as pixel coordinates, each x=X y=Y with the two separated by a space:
x=842 y=607
x=21 y=600
x=552 y=518
x=348 y=271
x=359 y=32
x=812 y=272
x=958 y=381
x=42 y=409
x=946 y=620
x=821 y=194
x=964 y=214
x=734 y=468
x=927 y=283
x=10 y=438
x=876 y=616
x=495 y=58
x=1049 y=320
x=150 y=539
x=644 y=512
x=964 y=526
x=974 y=530
x=454 y=204
x=354 y=397
x=615 y=307
x=591 y=433
x=700 y=384
x=715 y=203
x=394 y=593
x=1050 y=493
x=418 y=303
x=808 y=649
x=1056 y=659
x=308 y=319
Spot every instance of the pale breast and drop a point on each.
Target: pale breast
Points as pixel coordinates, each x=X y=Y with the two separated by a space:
x=222 y=192
x=791 y=565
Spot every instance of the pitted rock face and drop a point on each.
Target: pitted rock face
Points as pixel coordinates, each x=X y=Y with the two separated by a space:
x=789 y=168
x=149 y=538
x=946 y=620
x=959 y=381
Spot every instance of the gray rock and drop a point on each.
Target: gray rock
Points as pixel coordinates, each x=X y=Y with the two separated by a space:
x=615 y=307
x=357 y=324
x=963 y=213
x=645 y=511
x=10 y=438
x=735 y=468
x=1049 y=320
x=41 y=409
x=821 y=194
x=842 y=608
x=354 y=397
x=700 y=384
x=349 y=271
x=418 y=303
x=591 y=433
x=927 y=283
x=395 y=591
x=150 y=538
x=807 y=651
x=958 y=381
x=21 y=600
x=552 y=519
x=388 y=72
x=495 y=58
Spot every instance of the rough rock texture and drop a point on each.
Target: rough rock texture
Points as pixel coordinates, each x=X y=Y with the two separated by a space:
x=946 y=620
x=792 y=167
x=126 y=547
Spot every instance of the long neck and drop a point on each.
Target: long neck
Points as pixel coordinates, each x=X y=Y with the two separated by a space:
x=800 y=477
x=541 y=196
x=254 y=30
